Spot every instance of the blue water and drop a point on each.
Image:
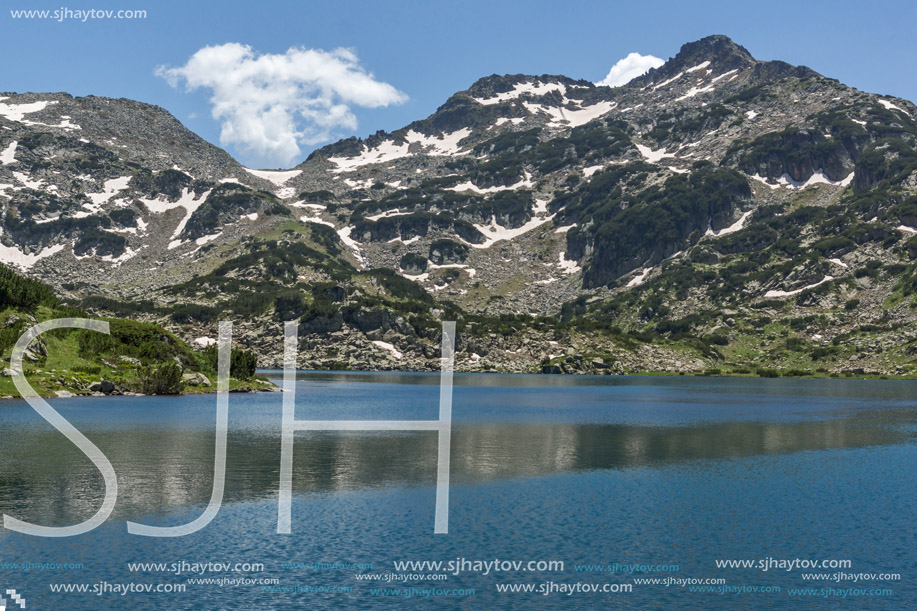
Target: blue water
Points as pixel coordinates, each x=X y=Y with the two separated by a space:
x=584 y=470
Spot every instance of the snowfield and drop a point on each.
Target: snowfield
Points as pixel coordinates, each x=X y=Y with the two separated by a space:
x=276 y=177
x=888 y=105
x=525 y=183
x=494 y=232
x=445 y=145
x=651 y=155
x=770 y=294
x=520 y=89
x=16 y=112
x=13 y=256
x=639 y=278
x=8 y=155
x=818 y=178
x=731 y=229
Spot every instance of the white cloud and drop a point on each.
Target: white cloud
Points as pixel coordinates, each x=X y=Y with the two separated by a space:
x=270 y=104
x=630 y=68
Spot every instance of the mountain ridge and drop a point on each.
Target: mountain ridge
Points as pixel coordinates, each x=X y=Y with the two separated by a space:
x=624 y=220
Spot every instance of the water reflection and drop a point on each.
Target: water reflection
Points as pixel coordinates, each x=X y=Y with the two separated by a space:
x=44 y=479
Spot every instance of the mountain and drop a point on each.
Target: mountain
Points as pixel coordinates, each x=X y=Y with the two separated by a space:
x=134 y=357
x=719 y=213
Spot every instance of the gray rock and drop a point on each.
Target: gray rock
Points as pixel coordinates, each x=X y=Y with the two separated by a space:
x=323 y=325
x=196 y=379
x=104 y=386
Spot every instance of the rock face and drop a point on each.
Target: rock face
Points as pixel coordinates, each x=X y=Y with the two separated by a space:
x=446 y=252
x=522 y=206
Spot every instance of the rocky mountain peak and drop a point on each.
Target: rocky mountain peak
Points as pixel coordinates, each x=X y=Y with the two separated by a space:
x=716 y=182
x=717 y=49
x=717 y=53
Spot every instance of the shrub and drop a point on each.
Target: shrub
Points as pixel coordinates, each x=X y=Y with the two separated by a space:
x=16 y=290
x=242 y=363
x=185 y=313
x=165 y=379
x=289 y=305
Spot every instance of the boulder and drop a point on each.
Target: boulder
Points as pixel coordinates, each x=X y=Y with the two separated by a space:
x=196 y=379
x=103 y=386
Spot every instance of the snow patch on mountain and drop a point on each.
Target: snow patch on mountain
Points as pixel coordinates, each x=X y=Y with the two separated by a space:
x=16 y=112
x=521 y=89
x=817 y=178
x=503 y=120
x=889 y=106
x=566 y=266
x=344 y=234
x=574 y=118
x=8 y=155
x=13 y=256
x=277 y=177
x=110 y=188
x=129 y=253
x=387 y=346
x=731 y=229
x=28 y=183
x=701 y=66
x=446 y=145
x=316 y=219
x=186 y=201
x=693 y=91
x=771 y=294
x=207 y=238
x=651 y=155
x=669 y=81
x=639 y=278
x=524 y=183
x=387 y=214
x=495 y=232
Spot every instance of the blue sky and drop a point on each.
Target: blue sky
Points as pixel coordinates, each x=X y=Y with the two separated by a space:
x=428 y=50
